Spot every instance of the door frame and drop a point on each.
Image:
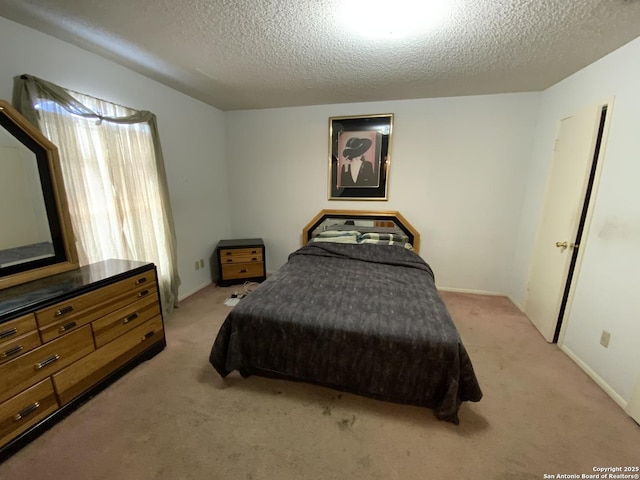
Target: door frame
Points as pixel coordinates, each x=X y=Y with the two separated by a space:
x=582 y=233
x=633 y=406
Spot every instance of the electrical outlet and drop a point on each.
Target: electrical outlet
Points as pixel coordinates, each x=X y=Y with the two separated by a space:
x=202 y=263
x=197 y=264
x=604 y=338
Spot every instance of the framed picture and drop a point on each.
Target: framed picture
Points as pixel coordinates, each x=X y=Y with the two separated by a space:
x=359 y=157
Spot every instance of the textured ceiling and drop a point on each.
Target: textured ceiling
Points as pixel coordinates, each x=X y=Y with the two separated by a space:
x=245 y=54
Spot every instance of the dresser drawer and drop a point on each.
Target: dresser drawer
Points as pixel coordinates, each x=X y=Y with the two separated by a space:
x=19 y=345
x=15 y=328
x=26 y=409
x=25 y=370
x=121 y=321
x=83 y=374
x=242 y=270
x=63 y=317
x=240 y=255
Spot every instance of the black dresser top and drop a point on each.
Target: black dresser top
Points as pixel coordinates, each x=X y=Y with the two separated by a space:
x=25 y=298
x=241 y=242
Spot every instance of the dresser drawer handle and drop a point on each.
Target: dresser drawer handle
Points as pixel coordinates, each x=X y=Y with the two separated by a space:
x=229 y=260
x=244 y=270
x=148 y=335
x=46 y=362
x=64 y=310
x=130 y=318
x=141 y=280
x=12 y=351
x=254 y=251
x=228 y=253
x=254 y=259
x=143 y=293
x=30 y=409
x=67 y=326
x=8 y=333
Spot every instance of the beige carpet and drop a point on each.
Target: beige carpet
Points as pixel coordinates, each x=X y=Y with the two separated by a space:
x=174 y=418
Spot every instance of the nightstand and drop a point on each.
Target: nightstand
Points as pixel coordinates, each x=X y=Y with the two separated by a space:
x=241 y=260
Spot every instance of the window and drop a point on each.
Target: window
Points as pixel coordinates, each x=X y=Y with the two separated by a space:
x=114 y=178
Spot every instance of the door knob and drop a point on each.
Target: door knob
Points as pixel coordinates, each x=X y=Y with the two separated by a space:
x=564 y=245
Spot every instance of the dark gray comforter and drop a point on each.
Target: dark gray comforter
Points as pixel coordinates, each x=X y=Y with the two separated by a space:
x=360 y=318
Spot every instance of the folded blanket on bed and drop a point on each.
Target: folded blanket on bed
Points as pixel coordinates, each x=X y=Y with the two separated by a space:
x=358 y=237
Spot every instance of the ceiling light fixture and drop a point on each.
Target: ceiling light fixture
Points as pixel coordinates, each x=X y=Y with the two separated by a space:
x=392 y=18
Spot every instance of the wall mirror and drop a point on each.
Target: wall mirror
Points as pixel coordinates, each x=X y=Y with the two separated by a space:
x=36 y=239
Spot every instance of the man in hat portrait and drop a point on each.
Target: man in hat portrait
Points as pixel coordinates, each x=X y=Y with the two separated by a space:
x=357 y=170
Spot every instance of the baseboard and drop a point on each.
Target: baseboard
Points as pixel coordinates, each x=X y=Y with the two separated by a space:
x=182 y=296
x=481 y=292
x=467 y=290
x=595 y=377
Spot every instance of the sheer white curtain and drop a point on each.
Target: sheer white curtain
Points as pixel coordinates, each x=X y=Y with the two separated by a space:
x=114 y=177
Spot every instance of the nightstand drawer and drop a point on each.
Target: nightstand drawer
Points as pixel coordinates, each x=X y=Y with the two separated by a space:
x=242 y=270
x=240 y=252
x=25 y=370
x=241 y=258
x=26 y=409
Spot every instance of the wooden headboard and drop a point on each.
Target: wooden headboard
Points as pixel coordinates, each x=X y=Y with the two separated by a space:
x=378 y=218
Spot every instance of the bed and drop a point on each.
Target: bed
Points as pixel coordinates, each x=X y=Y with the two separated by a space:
x=354 y=309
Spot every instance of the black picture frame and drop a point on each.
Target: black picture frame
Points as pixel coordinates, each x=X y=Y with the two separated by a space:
x=359 y=156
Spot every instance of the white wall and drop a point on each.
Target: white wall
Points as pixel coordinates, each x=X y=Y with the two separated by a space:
x=605 y=296
x=458 y=174
x=191 y=132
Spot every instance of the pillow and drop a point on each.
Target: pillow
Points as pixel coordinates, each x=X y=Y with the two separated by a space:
x=355 y=237
x=336 y=236
x=363 y=229
x=386 y=239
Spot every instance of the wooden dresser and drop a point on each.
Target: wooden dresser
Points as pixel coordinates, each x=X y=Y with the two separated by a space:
x=240 y=260
x=68 y=336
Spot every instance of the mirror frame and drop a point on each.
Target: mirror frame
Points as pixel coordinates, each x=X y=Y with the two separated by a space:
x=62 y=207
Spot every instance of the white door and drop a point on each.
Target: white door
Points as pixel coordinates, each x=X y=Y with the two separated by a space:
x=633 y=407
x=563 y=204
